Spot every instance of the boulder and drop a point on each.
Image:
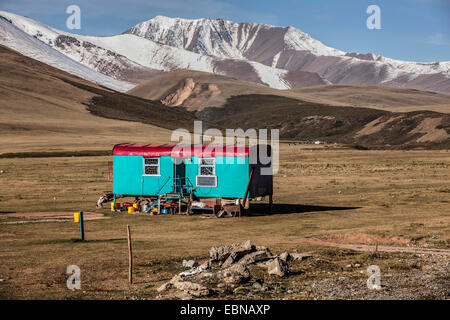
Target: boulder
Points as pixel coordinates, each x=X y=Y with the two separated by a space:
x=254 y=257
x=277 y=267
x=223 y=252
x=236 y=255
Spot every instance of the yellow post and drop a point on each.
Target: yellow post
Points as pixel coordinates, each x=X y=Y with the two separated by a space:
x=76 y=217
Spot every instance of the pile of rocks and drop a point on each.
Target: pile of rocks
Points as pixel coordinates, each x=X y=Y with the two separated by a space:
x=228 y=267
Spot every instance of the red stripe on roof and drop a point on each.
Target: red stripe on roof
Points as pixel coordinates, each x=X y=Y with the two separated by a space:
x=179 y=151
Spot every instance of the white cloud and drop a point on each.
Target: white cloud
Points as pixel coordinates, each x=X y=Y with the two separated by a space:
x=438 y=39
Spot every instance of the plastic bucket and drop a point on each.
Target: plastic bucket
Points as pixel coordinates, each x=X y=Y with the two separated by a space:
x=131 y=209
x=164 y=211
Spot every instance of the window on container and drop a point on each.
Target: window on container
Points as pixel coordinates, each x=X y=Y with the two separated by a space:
x=151 y=166
x=207 y=167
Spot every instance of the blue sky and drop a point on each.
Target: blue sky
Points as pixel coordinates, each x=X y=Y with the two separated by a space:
x=417 y=30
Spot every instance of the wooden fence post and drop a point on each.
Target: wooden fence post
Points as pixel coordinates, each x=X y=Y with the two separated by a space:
x=130 y=256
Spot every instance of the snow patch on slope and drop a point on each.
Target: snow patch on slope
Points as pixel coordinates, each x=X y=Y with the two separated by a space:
x=16 y=39
x=275 y=60
x=271 y=76
x=151 y=54
x=299 y=40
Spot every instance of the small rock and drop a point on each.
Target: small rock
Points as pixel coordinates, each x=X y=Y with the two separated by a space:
x=240 y=290
x=192 y=272
x=263 y=264
x=357 y=265
x=262 y=248
x=182 y=296
x=285 y=256
x=189 y=264
x=206 y=265
x=237 y=273
x=277 y=267
x=164 y=287
x=257 y=285
x=192 y=288
x=300 y=256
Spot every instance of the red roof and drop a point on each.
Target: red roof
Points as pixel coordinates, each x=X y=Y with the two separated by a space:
x=179 y=151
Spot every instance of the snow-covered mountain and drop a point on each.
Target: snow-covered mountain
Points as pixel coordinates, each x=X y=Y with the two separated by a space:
x=227 y=39
x=124 y=56
x=278 y=57
x=287 y=49
x=20 y=41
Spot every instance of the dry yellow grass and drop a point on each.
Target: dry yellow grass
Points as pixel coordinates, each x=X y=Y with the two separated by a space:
x=333 y=194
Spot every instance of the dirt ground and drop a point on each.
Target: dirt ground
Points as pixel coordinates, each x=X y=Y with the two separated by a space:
x=337 y=204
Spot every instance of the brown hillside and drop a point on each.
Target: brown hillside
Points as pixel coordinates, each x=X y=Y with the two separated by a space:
x=301 y=120
x=196 y=90
x=378 y=97
x=43 y=108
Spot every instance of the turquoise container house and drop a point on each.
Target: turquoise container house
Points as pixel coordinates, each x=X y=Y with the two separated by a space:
x=206 y=171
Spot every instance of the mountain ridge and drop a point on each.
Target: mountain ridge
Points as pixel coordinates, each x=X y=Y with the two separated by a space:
x=273 y=56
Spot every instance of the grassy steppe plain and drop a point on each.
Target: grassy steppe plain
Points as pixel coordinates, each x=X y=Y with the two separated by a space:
x=330 y=195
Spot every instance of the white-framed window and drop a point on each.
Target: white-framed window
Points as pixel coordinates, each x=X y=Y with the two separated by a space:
x=206 y=173
x=151 y=167
x=207 y=167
